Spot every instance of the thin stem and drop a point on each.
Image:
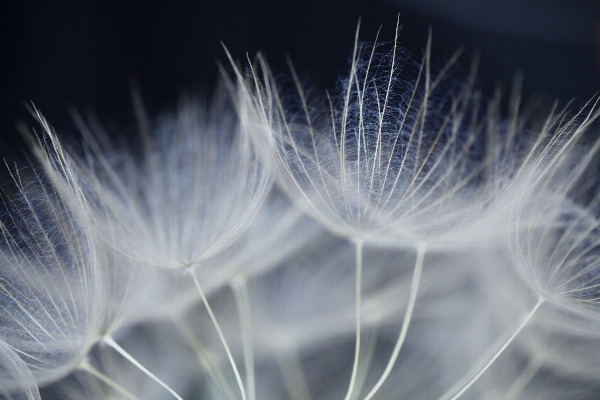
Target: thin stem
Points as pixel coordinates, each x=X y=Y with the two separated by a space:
x=293 y=376
x=491 y=361
x=368 y=342
x=85 y=366
x=111 y=342
x=523 y=379
x=213 y=371
x=414 y=288
x=242 y=300
x=481 y=361
x=220 y=333
x=358 y=244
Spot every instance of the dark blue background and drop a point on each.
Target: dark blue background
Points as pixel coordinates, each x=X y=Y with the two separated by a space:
x=83 y=54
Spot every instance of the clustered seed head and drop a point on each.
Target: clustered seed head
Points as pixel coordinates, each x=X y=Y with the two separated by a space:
x=401 y=237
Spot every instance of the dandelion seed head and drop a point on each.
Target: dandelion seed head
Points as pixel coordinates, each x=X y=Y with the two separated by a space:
x=397 y=155
x=421 y=192
x=558 y=257
x=159 y=208
x=53 y=294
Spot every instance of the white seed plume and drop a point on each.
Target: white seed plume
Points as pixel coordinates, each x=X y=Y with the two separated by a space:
x=423 y=245
x=188 y=193
x=400 y=156
x=58 y=298
x=555 y=240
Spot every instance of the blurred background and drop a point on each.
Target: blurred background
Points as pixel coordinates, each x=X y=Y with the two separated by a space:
x=83 y=55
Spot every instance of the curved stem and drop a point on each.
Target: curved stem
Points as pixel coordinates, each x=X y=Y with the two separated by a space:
x=85 y=366
x=523 y=379
x=414 y=288
x=477 y=365
x=358 y=244
x=491 y=361
x=242 y=300
x=220 y=333
x=213 y=371
x=293 y=376
x=368 y=341
x=111 y=342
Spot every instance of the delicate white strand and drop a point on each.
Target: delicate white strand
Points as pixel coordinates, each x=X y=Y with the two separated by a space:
x=533 y=366
x=213 y=371
x=220 y=333
x=414 y=288
x=358 y=244
x=242 y=300
x=508 y=342
x=110 y=341
x=293 y=375
x=85 y=366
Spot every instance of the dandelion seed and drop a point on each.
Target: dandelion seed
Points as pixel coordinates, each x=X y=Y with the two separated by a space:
x=56 y=302
x=416 y=185
x=196 y=188
x=400 y=159
x=63 y=290
x=192 y=193
x=17 y=380
x=545 y=241
x=555 y=241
